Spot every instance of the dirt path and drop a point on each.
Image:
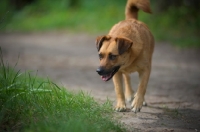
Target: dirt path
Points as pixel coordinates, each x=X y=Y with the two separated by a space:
x=173 y=93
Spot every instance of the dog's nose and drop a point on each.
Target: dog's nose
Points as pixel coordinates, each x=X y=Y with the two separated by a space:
x=99 y=70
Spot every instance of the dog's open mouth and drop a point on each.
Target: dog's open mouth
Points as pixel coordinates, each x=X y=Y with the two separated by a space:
x=109 y=75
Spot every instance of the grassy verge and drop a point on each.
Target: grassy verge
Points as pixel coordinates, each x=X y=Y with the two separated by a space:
x=29 y=103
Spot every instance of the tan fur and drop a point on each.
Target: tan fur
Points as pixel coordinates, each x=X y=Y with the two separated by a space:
x=135 y=42
x=133 y=6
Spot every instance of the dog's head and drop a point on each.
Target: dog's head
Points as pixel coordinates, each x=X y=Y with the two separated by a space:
x=113 y=54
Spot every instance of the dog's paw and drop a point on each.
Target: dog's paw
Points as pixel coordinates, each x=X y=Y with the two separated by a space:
x=129 y=98
x=120 y=108
x=137 y=103
x=144 y=103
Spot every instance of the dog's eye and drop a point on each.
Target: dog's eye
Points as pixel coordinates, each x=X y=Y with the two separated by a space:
x=112 y=57
x=100 y=56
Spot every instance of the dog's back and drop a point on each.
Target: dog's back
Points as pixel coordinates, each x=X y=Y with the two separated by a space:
x=134 y=29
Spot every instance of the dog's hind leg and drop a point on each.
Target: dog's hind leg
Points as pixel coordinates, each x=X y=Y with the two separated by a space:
x=139 y=96
x=128 y=88
x=117 y=80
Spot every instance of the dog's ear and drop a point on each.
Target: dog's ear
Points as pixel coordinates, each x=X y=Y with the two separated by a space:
x=100 y=39
x=123 y=44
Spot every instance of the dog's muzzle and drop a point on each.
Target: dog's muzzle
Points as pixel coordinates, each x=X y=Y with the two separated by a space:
x=106 y=75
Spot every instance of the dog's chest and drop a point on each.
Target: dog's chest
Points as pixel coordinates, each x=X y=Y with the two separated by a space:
x=130 y=69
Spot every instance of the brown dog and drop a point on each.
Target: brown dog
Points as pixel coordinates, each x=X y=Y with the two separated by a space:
x=127 y=48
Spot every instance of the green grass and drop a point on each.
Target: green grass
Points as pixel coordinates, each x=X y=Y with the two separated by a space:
x=176 y=25
x=29 y=103
x=174 y=113
x=167 y=26
x=45 y=16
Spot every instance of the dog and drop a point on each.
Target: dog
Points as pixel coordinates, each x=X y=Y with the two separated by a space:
x=127 y=48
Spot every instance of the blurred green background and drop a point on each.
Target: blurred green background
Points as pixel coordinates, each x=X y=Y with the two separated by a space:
x=174 y=21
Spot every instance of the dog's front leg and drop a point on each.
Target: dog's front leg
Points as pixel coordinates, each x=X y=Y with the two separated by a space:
x=117 y=80
x=139 y=96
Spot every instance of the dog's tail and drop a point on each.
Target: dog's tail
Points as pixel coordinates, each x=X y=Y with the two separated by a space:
x=133 y=6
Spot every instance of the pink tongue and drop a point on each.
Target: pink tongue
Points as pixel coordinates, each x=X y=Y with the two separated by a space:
x=105 y=77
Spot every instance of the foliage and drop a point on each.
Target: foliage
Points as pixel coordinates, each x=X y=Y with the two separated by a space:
x=175 y=21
